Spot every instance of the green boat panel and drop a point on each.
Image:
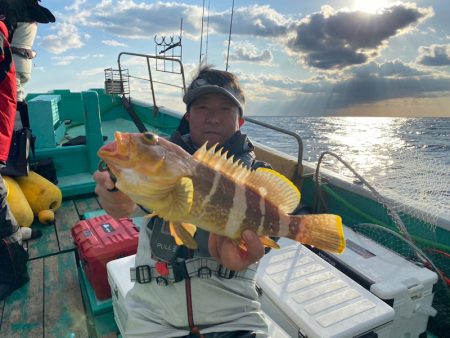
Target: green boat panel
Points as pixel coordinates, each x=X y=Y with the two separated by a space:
x=23 y=314
x=76 y=184
x=86 y=205
x=48 y=127
x=50 y=305
x=100 y=313
x=66 y=217
x=47 y=244
x=61 y=278
x=96 y=306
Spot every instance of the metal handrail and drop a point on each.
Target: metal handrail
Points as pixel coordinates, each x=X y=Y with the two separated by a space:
x=299 y=170
x=148 y=57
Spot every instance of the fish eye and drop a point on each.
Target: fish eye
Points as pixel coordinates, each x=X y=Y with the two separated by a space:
x=150 y=137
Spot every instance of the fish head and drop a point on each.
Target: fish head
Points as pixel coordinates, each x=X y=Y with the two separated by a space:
x=145 y=164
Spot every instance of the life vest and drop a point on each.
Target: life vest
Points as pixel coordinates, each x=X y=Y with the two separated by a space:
x=8 y=94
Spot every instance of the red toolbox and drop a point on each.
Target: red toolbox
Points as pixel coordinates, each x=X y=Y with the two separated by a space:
x=100 y=240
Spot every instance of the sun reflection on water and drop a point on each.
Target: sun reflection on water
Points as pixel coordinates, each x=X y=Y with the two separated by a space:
x=367 y=143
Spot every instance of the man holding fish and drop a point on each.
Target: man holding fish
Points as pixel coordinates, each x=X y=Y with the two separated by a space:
x=212 y=215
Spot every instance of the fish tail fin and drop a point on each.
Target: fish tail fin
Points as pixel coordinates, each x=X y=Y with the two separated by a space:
x=323 y=231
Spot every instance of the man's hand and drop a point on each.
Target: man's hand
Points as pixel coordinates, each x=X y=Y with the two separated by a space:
x=228 y=253
x=115 y=203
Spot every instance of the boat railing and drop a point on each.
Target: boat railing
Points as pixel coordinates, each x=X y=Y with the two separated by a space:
x=120 y=84
x=117 y=82
x=298 y=174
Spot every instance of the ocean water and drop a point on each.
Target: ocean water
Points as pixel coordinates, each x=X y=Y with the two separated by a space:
x=371 y=145
x=408 y=154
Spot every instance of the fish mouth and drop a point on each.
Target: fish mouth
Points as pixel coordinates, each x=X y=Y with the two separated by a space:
x=118 y=150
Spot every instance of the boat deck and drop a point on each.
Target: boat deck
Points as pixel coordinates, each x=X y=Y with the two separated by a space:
x=51 y=304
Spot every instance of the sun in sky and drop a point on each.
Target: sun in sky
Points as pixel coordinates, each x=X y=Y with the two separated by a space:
x=370 y=6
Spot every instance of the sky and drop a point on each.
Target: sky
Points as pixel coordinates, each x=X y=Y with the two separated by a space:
x=293 y=58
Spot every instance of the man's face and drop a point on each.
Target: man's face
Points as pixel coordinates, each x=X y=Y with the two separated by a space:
x=213 y=118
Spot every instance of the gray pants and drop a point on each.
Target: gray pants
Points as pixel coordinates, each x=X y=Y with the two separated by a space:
x=218 y=305
x=21 y=80
x=8 y=224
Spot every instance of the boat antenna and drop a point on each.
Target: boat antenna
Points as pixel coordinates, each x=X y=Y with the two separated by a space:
x=207 y=34
x=229 y=36
x=201 y=34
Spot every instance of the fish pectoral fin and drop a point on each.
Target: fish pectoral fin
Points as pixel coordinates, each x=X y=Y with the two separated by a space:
x=152 y=215
x=182 y=198
x=190 y=228
x=183 y=233
x=269 y=242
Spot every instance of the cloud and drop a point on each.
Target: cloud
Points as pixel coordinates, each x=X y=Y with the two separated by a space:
x=434 y=55
x=377 y=82
x=68 y=59
x=114 y=43
x=133 y=20
x=87 y=73
x=394 y=68
x=253 y=21
x=334 y=40
x=247 y=52
x=77 y=4
x=64 y=60
x=67 y=37
x=366 y=84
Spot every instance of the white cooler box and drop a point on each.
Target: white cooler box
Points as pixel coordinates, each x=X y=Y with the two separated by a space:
x=310 y=298
x=408 y=288
x=119 y=281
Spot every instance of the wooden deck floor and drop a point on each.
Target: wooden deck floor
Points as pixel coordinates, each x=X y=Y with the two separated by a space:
x=51 y=305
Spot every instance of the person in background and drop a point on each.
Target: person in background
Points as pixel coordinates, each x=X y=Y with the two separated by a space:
x=23 y=17
x=218 y=298
x=8 y=224
x=19 y=20
x=13 y=258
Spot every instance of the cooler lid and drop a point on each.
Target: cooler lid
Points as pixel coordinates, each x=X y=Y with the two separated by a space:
x=319 y=299
x=390 y=274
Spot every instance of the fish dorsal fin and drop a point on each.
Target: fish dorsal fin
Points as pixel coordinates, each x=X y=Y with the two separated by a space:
x=219 y=162
x=275 y=187
x=272 y=185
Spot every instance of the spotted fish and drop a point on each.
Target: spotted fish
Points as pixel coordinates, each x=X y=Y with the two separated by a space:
x=214 y=192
